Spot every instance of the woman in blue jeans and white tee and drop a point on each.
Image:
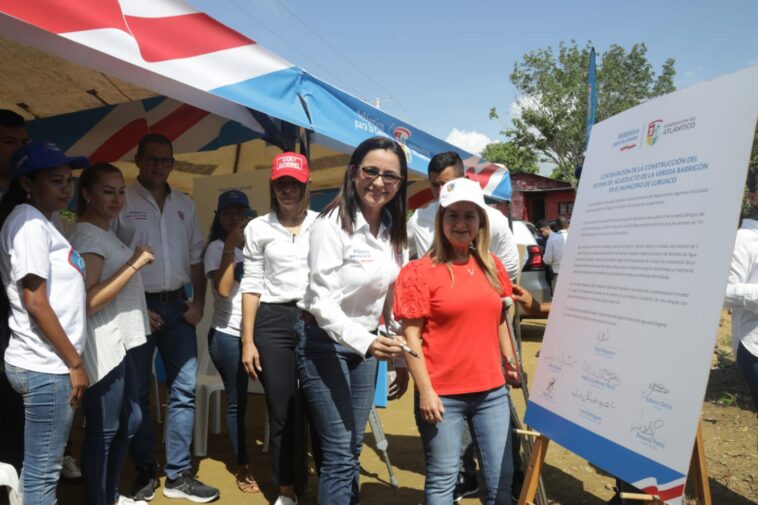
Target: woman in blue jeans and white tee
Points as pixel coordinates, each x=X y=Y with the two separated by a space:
x=223 y=266
x=357 y=247
x=43 y=278
x=117 y=321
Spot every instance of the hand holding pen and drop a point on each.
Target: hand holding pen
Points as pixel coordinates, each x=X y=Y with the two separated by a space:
x=403 y=345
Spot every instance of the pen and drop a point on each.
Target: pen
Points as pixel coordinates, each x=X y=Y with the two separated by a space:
x=402 y=346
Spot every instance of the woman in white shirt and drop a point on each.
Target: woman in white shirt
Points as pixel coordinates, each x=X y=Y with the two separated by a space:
x=358 y=245
x=223 y=266
x=742 y=293
x=117 y=321
x=276 y=273
x=43 y=278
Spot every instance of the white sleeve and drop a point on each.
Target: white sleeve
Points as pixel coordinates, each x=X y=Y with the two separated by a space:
x=322 y=298
x=196 y=237
x=410 y=226
x=504 y=245
x=252 y=279
x=31 y=246
x=213 y=255
x=741 y=294
x=547 y=258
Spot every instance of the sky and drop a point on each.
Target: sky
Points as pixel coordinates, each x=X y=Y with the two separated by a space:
x=441 y=65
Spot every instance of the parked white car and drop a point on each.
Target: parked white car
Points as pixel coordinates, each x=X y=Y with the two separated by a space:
x=533 y=269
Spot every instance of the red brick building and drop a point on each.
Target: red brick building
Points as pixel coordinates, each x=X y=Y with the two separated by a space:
x=536 y=197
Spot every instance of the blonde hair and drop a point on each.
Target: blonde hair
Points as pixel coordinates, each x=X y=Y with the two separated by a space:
x=441 y=251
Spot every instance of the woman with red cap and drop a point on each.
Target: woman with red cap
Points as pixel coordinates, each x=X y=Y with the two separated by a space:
x=276 y=274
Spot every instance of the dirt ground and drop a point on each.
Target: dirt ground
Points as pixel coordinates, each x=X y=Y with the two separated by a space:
x=729 y=421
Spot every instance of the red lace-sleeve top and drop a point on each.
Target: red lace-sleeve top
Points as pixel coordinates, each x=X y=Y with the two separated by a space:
x=462 y=318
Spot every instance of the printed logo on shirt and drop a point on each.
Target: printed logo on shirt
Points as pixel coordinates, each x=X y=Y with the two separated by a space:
x=239 y=271
x=136 y=215
x=360 y=255
x=76 y=261
x=180 y=214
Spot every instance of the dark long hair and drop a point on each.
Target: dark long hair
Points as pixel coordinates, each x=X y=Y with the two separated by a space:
x=13 y=197
x=87 y=180
x=346 y=202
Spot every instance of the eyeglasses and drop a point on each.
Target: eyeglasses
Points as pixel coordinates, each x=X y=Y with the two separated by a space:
x=389 y=178
x=154 y=161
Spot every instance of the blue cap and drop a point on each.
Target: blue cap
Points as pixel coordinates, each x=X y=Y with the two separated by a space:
x=232 y=197
x=40 y=155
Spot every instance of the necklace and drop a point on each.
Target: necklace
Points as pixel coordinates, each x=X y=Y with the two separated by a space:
x=470 y=271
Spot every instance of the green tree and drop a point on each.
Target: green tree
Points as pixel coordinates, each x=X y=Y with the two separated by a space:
x=553 y=97
x=748 y=211
x=513 y=156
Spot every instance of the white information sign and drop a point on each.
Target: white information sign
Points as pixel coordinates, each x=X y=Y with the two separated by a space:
x=624 y=365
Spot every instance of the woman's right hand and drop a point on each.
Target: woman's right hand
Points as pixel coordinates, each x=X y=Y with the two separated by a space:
x=386 y=348
x=79 y=383
x=142 y=256
x=251 y=360
x=431 y=408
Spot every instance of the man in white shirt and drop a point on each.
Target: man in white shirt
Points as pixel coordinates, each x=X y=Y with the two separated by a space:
x=556 y=242
x=445 y=167
x=165 y=219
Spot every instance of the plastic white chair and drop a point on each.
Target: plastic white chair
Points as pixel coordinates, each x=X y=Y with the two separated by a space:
x=9 y=479
x=208 y=399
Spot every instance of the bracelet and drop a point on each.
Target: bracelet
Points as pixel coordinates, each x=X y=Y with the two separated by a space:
x=225 y=252
x=135 y=268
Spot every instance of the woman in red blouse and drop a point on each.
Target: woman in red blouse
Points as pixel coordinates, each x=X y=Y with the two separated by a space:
x=450 y=303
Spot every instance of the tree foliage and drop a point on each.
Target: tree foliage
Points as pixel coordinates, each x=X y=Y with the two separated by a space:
x=513 y=156
x=748 y=210
x=553 y=97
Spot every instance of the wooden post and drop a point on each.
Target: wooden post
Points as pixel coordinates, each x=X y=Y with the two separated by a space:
x=533 y=471
x=698 y=470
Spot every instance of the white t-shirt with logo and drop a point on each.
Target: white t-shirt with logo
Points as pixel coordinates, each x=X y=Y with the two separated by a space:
x=227 y=312
x=31 y=245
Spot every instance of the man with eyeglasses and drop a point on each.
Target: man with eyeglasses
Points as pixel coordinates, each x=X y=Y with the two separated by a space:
x=164 y=219
x=445 y=167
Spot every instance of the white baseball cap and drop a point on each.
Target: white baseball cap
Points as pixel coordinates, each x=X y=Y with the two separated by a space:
x=462 y=190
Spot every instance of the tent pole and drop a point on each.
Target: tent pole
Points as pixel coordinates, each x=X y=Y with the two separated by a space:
x=237 y=153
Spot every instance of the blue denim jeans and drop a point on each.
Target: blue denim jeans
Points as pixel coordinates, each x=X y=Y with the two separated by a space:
x=488 y=417
x=48 y=417
x=226 y=352
x=748 y=365
x=338 y=385
x=112 y=412
x=177 y=343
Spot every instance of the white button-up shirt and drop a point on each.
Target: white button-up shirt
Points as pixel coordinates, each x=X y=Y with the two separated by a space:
x=174 y=235
x=556 y=242
x=742 y=288
x=350 y=277
x=502 y=243
x=276 y=261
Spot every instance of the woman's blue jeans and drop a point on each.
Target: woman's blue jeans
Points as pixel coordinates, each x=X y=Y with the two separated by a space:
x=226 y=352
x=338 y=385
x=488 y=416
x=48 y=417
x=113 y=415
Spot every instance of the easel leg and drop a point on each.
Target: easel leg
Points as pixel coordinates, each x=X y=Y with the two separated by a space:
x=533 y=471
x=698 y=470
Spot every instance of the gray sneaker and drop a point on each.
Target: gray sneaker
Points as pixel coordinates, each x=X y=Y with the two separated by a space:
x=187 y=487
x=145 y=483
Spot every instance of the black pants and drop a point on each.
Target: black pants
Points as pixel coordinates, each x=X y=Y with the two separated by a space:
x=276 y=339
x=11 y=424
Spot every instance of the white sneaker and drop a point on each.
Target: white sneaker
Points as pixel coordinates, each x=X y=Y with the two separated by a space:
x=125 y=500
x=284 y=500
x=70 y=470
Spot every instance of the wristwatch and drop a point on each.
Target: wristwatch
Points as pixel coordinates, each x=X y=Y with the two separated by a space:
x=510 y=361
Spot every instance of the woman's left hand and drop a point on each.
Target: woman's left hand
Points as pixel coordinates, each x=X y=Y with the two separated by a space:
x=399 y=386
x=512 y=377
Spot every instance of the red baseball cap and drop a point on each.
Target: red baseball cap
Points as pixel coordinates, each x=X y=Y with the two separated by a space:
x=290 y=164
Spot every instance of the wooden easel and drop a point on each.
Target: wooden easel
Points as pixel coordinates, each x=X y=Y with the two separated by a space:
x=697 y=471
